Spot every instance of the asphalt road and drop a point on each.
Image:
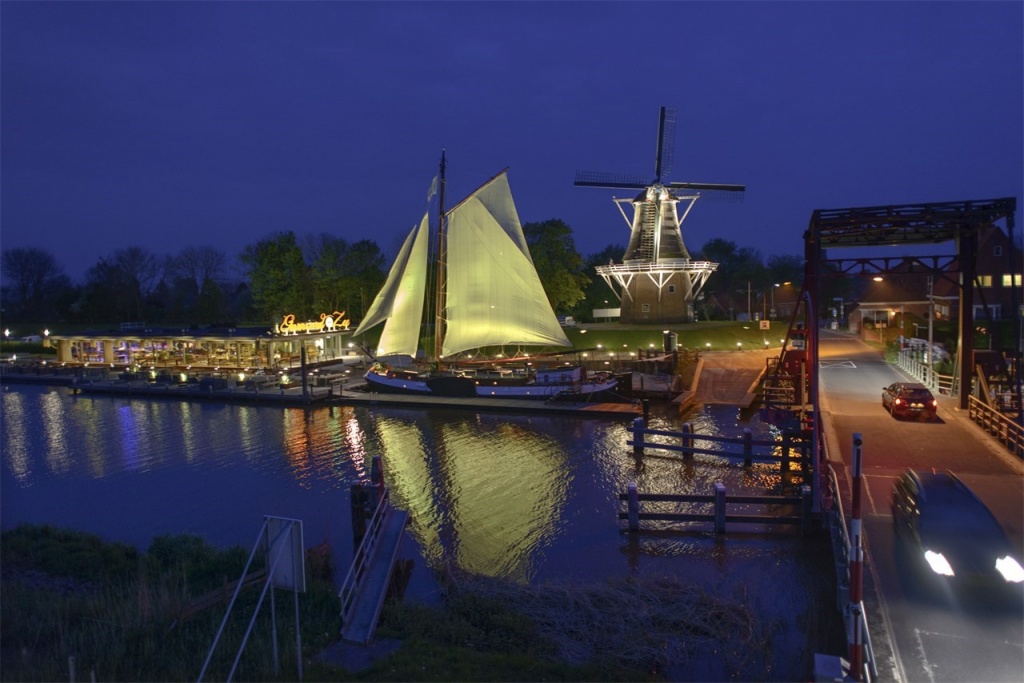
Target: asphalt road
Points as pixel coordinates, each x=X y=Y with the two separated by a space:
x=921 y=633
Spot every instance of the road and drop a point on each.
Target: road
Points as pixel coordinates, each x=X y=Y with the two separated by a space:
x=920 y=635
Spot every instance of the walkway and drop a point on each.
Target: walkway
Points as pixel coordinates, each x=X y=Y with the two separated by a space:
x=727 y=378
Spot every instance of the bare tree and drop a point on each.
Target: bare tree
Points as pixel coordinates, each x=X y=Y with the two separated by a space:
x=141 y=270
x=33 y=275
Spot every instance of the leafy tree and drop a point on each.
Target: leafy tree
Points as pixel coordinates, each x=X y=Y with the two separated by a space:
x=559 y=265
x=597 y=291
x=785 y=268
x=278 y=277
x=326 y=255
x=364 y=270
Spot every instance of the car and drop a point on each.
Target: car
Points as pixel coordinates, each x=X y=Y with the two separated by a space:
x=909 y=399
x=950 y=533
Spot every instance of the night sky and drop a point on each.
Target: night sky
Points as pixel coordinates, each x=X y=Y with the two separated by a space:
x=174 y=124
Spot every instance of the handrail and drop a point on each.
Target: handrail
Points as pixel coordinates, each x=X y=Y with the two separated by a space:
x=350 y=585
x=1007 y=432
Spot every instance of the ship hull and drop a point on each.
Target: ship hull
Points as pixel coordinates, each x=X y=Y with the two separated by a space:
x=453 y=386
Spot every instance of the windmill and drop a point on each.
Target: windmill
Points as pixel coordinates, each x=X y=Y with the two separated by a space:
x=657 y=280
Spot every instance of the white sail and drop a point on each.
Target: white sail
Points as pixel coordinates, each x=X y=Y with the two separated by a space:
x=399 y=304
x=494 y=296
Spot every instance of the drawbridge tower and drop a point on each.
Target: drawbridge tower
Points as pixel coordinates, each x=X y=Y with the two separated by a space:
x=657 y=280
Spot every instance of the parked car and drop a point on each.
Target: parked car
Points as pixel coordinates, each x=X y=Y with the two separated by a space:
x=908 y=399
x=949 y=530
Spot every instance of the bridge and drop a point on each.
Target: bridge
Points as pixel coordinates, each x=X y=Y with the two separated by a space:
x=825 y=380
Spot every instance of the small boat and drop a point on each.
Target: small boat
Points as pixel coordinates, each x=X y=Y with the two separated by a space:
x=487 y=294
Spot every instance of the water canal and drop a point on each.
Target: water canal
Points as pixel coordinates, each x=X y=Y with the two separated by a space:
x=529 y=498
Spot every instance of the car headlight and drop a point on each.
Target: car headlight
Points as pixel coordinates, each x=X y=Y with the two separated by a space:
x=938 y=563
x=1010 y=569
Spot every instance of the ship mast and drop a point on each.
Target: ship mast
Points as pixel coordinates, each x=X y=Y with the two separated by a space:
x=441 y=257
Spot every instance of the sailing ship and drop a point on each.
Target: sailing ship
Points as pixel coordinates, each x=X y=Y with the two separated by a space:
x=487 y=294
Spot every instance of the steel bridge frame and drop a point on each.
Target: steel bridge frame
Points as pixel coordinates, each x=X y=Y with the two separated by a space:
x=911 y=224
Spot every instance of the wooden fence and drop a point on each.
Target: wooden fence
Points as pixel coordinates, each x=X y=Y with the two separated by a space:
x=719 y=502
x=685 y=443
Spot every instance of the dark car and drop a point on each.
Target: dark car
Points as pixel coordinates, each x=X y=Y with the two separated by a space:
x=908 y=399
x=951 y=532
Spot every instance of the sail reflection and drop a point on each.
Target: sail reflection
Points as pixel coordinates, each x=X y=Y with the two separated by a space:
x=485 y=493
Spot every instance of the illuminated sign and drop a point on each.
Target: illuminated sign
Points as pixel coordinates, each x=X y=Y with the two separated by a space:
x=327 y=323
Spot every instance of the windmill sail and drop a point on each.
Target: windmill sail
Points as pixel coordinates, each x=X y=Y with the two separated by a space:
x=494 y=296
x=399 y=304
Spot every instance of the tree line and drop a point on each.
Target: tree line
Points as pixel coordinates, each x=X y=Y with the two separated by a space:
x=282 y=273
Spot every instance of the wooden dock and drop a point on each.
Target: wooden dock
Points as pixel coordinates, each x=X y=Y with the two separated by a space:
x=336 y=393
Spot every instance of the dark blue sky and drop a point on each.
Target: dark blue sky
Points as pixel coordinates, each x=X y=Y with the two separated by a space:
x=171 y=124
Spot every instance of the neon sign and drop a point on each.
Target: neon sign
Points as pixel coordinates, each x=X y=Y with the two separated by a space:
x=327 y=323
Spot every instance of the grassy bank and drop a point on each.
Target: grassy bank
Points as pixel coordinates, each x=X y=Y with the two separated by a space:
x=118 y=613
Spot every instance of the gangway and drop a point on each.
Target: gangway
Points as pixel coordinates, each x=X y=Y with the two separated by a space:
x=366 y=586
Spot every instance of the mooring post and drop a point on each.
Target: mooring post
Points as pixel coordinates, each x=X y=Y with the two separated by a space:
x=748 y=447
x=646 y=403
x=719 y=507
x=638 y=436
x=686 y=440
x=633 y=507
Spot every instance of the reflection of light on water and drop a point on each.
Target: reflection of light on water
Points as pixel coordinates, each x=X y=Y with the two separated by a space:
x=15 y=436
x=354 y=442
x=129 y=446
x=51 y=409
x=297 y=445
x=186 y=419
x=484 y=493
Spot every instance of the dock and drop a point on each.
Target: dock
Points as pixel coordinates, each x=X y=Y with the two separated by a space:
x=351 y=392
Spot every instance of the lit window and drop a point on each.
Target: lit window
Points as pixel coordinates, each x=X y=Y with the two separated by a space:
x=984 y=280
x=1016 y=280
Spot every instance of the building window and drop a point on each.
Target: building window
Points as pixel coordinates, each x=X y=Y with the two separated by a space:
x=671 y=289
x=995 y=312
x=997 y=250
x=645 y=308
x=1016 y=280
x=984 y=280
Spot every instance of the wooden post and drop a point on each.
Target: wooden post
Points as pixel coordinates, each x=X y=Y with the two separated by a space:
x=646 y=403
x=686 y=440
x=748 y=447
x=786 y=446
x=806 y=507
x=633 y=507
x=719 y=507
x=638 y=436
x=376 y=471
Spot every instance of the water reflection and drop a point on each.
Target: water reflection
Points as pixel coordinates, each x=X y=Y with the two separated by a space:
x=501 y=495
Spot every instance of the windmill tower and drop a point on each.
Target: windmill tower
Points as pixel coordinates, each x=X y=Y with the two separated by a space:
x=657 y=280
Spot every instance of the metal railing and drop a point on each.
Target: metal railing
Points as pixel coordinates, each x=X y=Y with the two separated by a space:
x=907 y=362
x=350 y=587
x=836 y=522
